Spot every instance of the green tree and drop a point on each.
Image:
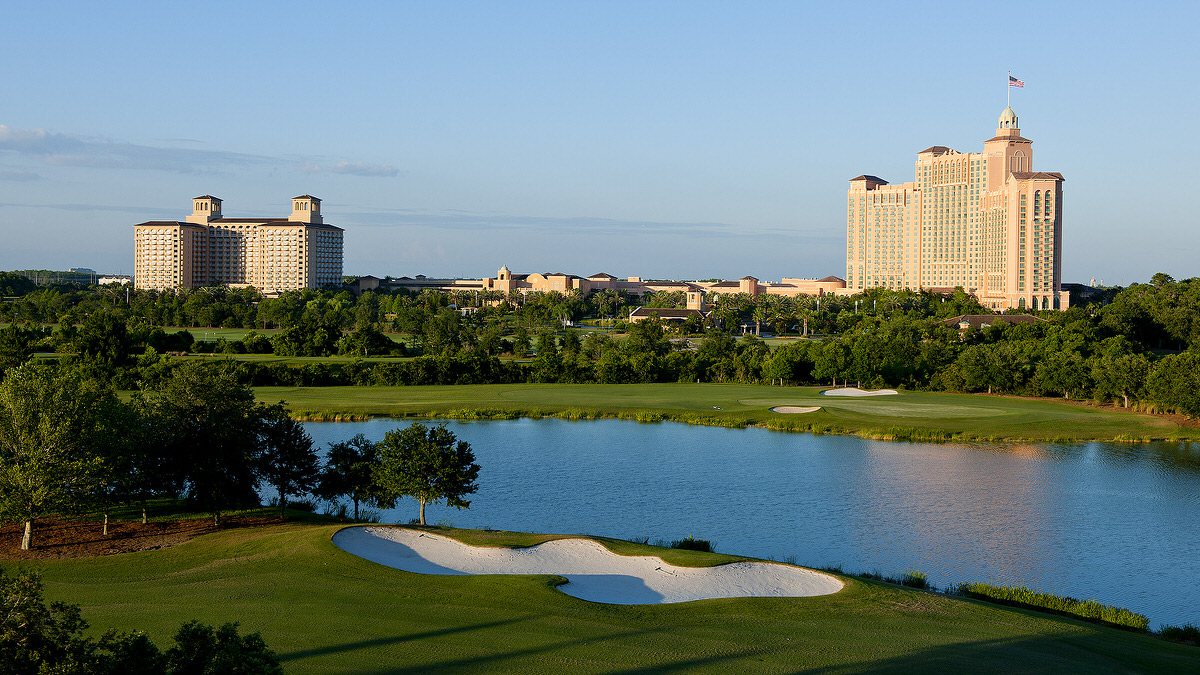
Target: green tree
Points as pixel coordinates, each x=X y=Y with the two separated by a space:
x=201 y=650
x=1063 y=372
x=1174 y=383
x=548 y=365
x=16 y=345
x=442 y=333
x=213 y=422
x=1124 y=375
x=366 y=341
x=428 y=464
x=347 y=473
x=104 y=343
x=520 y=342
x=41 y=639
x=50 y=424
x=286 y=458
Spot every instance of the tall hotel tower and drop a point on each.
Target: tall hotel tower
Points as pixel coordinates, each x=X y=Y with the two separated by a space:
x=208 y=249
x=984 y=221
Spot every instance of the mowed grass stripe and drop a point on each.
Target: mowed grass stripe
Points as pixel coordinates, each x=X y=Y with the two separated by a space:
x=922 y=414
x=326 y=611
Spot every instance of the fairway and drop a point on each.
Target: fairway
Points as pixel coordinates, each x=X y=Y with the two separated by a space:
x=326 y=611
x=916 y=415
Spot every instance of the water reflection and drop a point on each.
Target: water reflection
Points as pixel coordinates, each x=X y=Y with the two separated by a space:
x=1114 y=522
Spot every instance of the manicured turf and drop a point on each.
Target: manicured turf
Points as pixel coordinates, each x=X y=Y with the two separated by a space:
x=326 y=611
x=231 y=334
x=916 y=415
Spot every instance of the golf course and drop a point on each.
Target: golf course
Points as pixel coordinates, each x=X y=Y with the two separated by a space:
x=324 y=610
x=905 y=415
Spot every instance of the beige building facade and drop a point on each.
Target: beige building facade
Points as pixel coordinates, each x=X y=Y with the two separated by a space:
x=209 y=249
x=984 y=221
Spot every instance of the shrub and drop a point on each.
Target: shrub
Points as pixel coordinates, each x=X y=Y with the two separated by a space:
x=307 y=505
x=1186 y=634
x=691 y=543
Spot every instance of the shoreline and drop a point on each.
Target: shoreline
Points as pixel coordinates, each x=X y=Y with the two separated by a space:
x=891 y=433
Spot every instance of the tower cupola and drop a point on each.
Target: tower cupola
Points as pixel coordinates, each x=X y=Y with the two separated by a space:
x=204 y=209
x=306 y=209
x=1008 y=120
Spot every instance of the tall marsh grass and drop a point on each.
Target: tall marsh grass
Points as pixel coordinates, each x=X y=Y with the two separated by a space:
x=1088 y=610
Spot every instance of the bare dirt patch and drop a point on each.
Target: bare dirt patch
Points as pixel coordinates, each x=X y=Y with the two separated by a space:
x=53 y=539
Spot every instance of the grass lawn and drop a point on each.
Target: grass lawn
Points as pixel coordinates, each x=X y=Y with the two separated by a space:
x=326 y=611
x=915 y=415
x=231 y=334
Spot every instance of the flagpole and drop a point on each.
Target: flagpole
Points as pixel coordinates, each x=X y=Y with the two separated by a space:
x=1008 y=86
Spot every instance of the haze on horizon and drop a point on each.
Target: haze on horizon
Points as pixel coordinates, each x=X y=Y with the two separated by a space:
x=668 y=140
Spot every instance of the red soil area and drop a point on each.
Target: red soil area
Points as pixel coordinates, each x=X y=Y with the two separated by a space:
x=85 y=538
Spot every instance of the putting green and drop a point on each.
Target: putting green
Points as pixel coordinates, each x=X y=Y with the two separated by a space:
x=910 y=414
x=890 y=408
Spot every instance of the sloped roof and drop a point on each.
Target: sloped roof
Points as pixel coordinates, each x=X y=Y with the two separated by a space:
x=831 y=278
x=935 y=149
x=250 y=220
x=207 y=197
x=307 y=197
x=1015 y=139
x=868 y=177
x=1049 y=175
x=664 y=312
x=602 y=275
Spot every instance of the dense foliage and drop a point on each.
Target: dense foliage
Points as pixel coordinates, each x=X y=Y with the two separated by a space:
x=36 y=638
x=1139 y=349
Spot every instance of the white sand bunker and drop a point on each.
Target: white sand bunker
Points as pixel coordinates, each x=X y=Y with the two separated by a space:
x=594 y=572
x=794 y=409
x=855 y=391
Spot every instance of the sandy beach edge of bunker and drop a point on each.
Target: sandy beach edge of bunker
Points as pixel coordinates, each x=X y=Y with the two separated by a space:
x=594 y=573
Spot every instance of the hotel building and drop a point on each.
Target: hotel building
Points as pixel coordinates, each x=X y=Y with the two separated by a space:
x=208 y=249
x=984 y=221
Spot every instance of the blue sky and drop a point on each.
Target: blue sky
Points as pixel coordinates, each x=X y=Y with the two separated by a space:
x=661 y=139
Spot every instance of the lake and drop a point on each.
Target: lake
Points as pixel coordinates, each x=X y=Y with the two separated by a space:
x=1118 y=523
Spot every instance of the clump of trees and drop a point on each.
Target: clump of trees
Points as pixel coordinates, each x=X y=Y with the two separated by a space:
x=36 y=638
x=69 y=445
x=426 y=463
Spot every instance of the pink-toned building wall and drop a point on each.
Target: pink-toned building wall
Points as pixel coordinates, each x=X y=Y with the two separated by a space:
x=960 y=223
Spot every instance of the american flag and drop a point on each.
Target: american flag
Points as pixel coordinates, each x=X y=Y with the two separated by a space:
x=1014 y=82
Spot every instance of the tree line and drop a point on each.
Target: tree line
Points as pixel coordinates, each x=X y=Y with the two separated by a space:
x=68 y=444
x=1138 y=349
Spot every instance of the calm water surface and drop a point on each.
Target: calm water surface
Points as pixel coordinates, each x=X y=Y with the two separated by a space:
x=1114 y=522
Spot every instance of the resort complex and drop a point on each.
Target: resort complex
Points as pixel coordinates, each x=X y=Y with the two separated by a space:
x=984 y=221
x=209 y=249
x=511 y=284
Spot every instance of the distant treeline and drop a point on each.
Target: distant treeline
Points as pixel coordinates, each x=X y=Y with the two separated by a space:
x=1141 y=349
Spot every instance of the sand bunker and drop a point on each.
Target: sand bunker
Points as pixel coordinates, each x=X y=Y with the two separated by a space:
x=855 y=391
x=594 y=572
x=792 y=409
